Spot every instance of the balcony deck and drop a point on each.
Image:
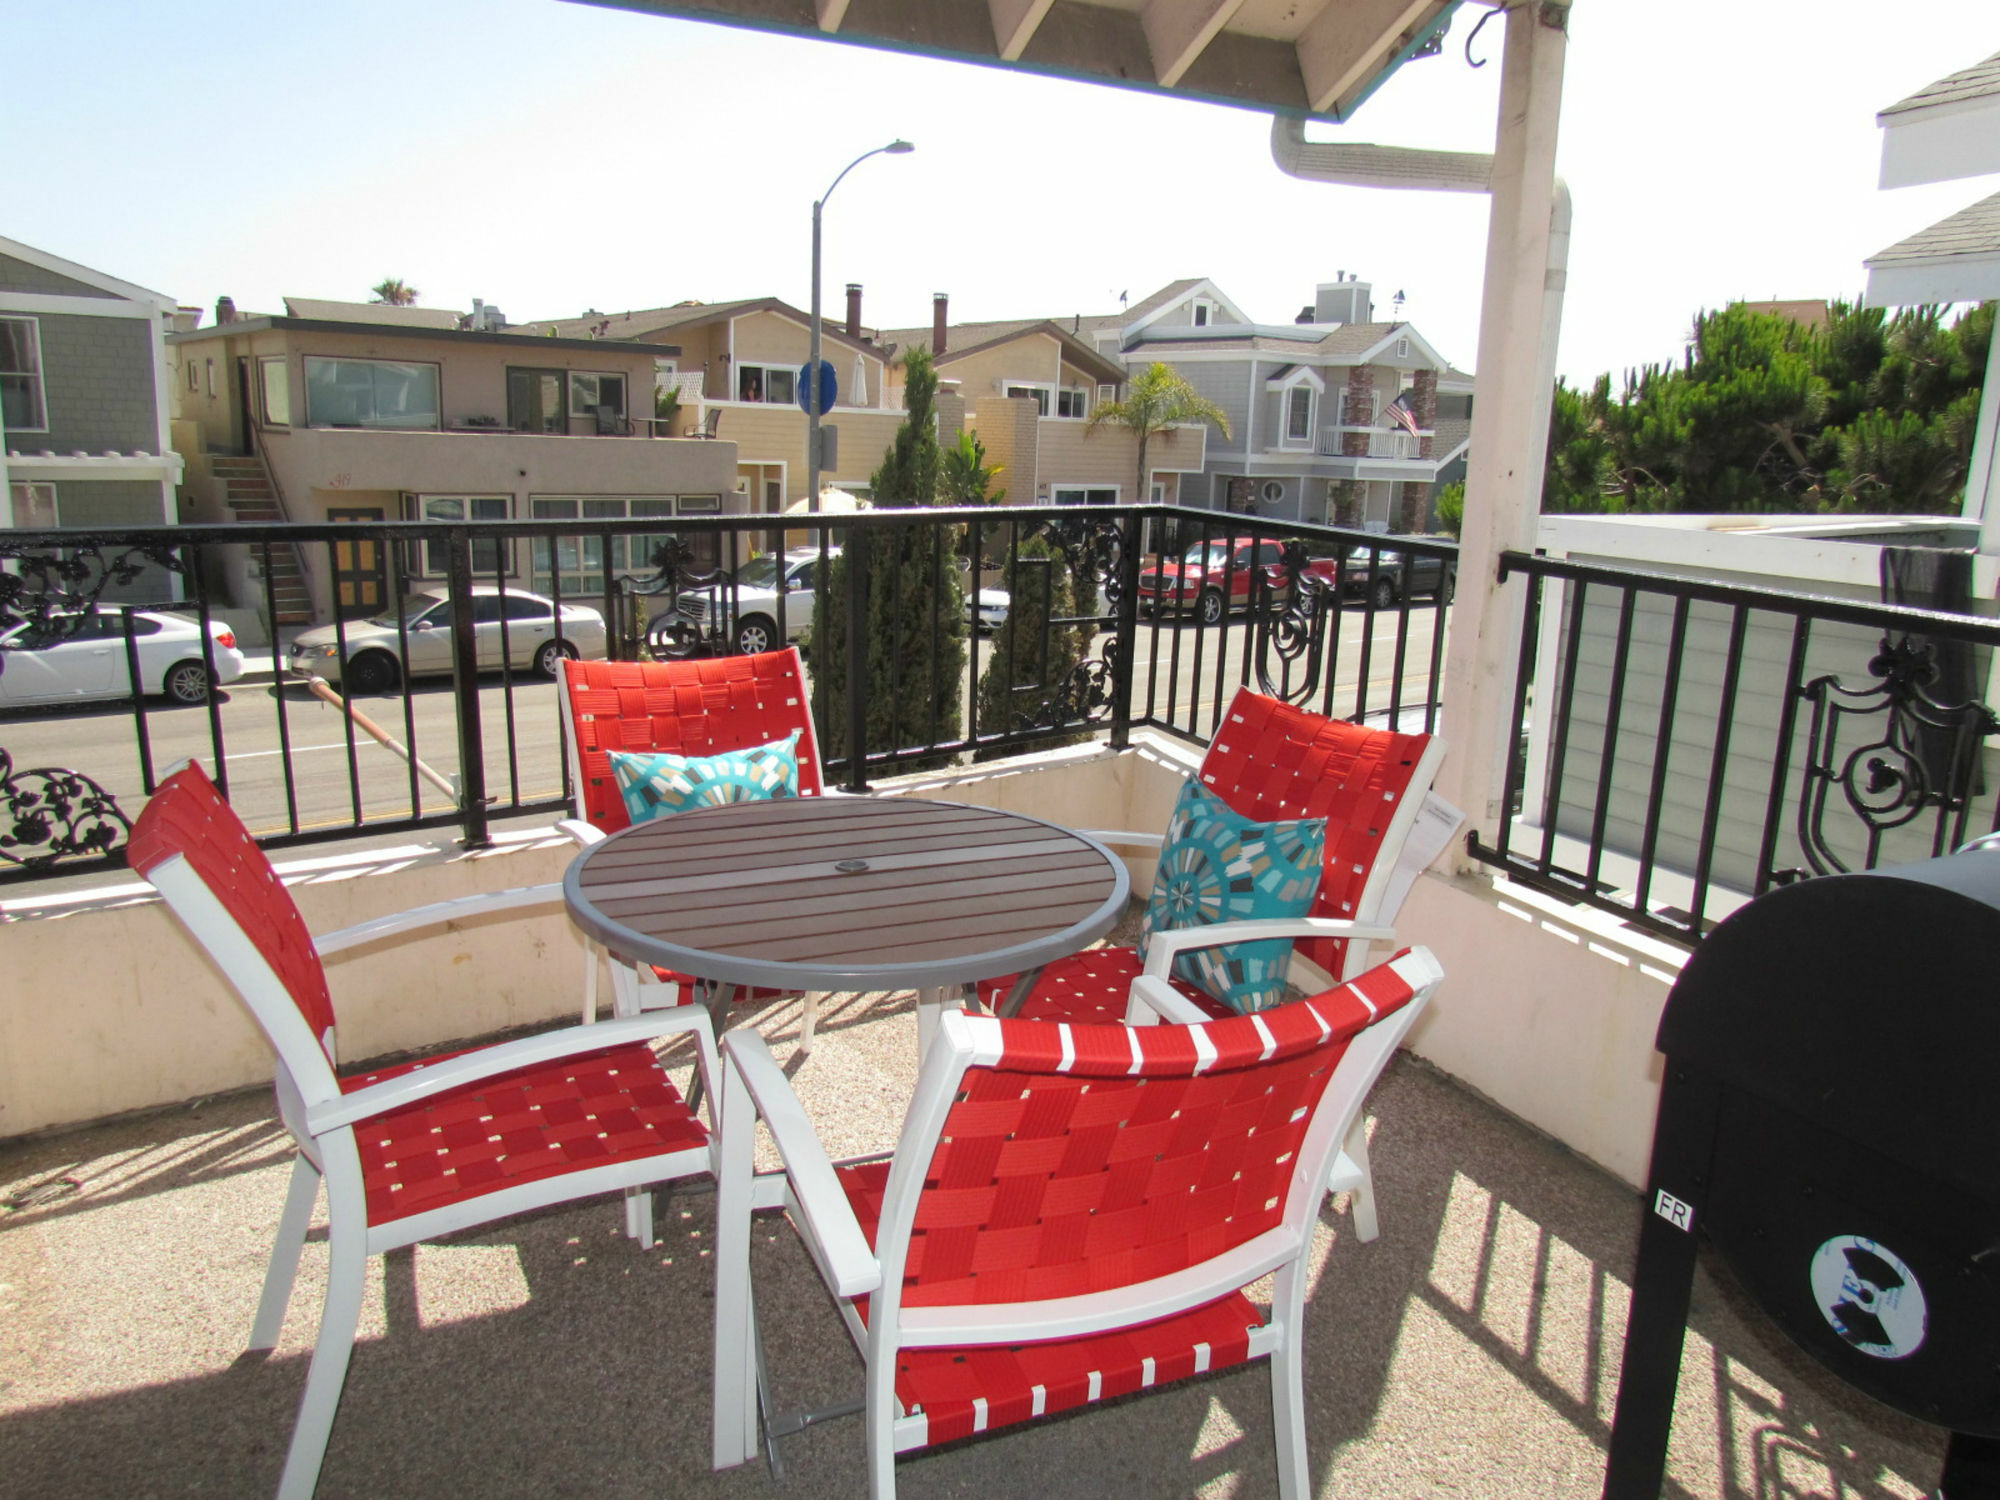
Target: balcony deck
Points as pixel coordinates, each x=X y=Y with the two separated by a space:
x=1471 y=1351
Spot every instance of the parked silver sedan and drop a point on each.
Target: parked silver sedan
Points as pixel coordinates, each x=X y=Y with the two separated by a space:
x=89 y=663
x=516 y=628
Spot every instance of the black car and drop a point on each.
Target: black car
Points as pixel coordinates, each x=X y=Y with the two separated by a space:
x=1385 y=574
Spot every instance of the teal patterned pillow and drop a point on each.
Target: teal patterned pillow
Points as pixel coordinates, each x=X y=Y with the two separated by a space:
x=654 y=786
x=1218 y=866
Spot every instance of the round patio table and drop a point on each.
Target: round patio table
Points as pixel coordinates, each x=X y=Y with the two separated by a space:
x=846 y=893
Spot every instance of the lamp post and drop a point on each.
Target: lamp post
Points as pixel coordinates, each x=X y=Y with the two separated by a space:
x=894 y=148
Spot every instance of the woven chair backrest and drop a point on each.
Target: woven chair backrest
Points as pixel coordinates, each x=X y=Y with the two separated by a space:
x=187 y=816
x=1270 y=760
x=1087 y=1158
x=701 y=707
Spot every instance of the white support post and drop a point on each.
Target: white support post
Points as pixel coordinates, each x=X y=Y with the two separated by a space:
x=1982 y=480
x=1504 y=470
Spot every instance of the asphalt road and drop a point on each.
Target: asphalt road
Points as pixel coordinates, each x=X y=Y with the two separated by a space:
x=339 y=777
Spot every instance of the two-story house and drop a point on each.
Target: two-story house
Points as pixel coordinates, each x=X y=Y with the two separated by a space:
x=736 y=370
x=360 y=412
x=84 y=433
x=1027 y=388
x=1312 y=435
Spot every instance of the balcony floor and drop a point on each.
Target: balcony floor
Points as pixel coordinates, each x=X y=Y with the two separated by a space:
x=1471 y=1351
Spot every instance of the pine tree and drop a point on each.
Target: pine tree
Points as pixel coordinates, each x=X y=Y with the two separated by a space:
x=915 y=606
x=1030 y=663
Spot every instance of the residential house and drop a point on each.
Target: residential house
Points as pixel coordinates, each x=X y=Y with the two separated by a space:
x=84 y=437
x=1311 y=435
x=1027 y=389
x=735 y=368
x=360 y=412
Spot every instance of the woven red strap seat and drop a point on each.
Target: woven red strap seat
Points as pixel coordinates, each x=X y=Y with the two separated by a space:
x=596 y=1109
x=1089 y=988
x=976 y=1388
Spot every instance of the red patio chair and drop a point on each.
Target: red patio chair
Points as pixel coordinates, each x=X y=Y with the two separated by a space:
x=420 y=1149
x=1072 y=1212
x=1268 y=761
x=704 y=706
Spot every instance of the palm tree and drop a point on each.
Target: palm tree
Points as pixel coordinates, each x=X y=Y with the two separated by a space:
x=395 y=293
x=1157 y=400
x=966 y=477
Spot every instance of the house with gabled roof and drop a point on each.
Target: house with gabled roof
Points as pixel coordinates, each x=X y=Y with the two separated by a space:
x=1026 y=387
x=1314 y=427
x=84 y=424
x=735 y=371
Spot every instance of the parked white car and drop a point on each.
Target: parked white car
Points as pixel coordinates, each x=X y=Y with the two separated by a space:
x=92 y=664
x=534 y=638
x=755 y=599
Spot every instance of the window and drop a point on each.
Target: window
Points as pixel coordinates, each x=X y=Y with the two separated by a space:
x=1298 y=413
x=432 y=558
x=1106 y=393
x=579 y=560
x=194 y=376
x=535 y=401
x=208 y=366
x=1063 y=494
x=275 y=378
x=21 y=404
x=371 y=393
x=1204 y=313
x=1273 y=493
x=34 y=506
x=1039 y=394
x=1402 y=348
x=589 y=392
x=772 y=383
x=1072 y=401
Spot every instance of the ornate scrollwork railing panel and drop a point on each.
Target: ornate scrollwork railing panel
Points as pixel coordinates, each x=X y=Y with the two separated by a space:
x=690 y=623
x=1291 y=613
x=1923 y=758
x=55 y=588
x=48 y=814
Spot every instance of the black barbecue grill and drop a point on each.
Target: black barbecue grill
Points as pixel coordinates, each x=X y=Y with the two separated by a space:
x=1830 y=1123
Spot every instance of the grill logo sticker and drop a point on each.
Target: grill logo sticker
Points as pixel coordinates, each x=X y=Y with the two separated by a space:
x=1869 y=1297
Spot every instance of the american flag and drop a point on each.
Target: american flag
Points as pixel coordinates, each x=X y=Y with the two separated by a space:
x=1399 y=412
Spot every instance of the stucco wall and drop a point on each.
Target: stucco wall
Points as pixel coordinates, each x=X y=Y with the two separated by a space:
x=1548 y=1012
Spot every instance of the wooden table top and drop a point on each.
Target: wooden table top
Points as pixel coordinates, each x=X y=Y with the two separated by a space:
x=846 y=893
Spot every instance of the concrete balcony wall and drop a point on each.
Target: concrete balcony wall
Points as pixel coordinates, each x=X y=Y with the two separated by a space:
x=110 y=1008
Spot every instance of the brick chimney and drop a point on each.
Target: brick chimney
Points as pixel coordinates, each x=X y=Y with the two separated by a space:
x=939 y=302
x=225 y=309
x=854 y=309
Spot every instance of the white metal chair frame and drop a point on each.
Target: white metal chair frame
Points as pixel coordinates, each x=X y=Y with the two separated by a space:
x=322 y=1120
x=755 y=1088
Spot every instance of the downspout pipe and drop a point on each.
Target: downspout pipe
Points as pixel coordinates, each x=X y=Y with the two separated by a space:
x=1360 y=164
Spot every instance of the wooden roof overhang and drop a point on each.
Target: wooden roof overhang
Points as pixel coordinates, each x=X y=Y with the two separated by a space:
x=1314 y=58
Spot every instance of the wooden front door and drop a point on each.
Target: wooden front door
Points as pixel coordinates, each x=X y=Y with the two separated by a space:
x=360 y=573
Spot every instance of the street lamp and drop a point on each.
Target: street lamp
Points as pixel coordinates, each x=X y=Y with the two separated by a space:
x=894 y=148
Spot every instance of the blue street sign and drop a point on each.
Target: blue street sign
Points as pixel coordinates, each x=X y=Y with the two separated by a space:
x=829 y=392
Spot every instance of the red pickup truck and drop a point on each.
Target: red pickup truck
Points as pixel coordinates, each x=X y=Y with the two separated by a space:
x=1218 y=575
x=1214 y=576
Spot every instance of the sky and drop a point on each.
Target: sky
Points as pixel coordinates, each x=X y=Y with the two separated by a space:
x=551 y=157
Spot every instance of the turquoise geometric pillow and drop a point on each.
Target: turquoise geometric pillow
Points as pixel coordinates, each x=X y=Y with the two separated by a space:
x=1218 y=866
x=655 y=786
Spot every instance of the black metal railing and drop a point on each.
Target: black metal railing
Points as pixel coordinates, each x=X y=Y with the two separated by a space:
x=1687 y=745
x=1345 y=622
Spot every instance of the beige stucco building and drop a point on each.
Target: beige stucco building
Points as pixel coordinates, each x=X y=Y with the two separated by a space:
x=362 y=413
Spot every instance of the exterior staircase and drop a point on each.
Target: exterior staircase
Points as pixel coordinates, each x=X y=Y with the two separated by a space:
x=253 y=500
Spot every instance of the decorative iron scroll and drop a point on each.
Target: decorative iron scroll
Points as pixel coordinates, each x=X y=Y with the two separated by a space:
x=1291 y=615
x=690 y=625
x=54 y=589
x=1095 y=549
x=51 y=814
x=1924 y=757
